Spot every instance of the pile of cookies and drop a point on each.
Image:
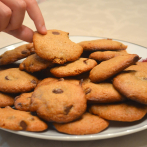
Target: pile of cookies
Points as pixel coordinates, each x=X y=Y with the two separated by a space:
x=78 y=87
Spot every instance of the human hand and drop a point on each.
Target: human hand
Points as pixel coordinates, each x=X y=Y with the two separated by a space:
x=12 y=14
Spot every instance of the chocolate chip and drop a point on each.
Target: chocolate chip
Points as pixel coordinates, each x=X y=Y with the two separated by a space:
x=34 y=82
x=32 y=118
x=61 y=79
x=67 y=109
x=87 y=90
x=24 y=52
x=17 y=97
x=55 y=33
x=23 y=125
x=144 y=78
x=7 y=78
x=57 y=91
x=19 y=104
x=128 y=71
x=85 y=61
x=136 y=58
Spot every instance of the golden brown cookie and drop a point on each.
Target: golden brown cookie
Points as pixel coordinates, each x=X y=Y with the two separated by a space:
x=23 y=101
x=111 y=67
x=106 y=55
x=87 y=124
x=16 y=54
x=20 y=120
x=59 y=101
x=56 y=46
x=74 y=68
x=139 y=66
x=34 y=63
x=102 y=44
x=101 y=93
x=15 y=81
x=127 y=112
x=6 y=100
x=132 y=84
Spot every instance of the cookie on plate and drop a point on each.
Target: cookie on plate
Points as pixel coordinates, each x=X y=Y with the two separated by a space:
x=23 y=101
x=101 y=93
x=87 y=124
x=16 y=54
x=56 y=47
x=15 y=81
x=34 y=63
x=139 y=66
x=102 y=45
x=59 y=101
x=132 y=84
x=20 y=120
x=74 y=68
x=106 y=55
x=111 y=67
x=6 y=100
x=126 y=112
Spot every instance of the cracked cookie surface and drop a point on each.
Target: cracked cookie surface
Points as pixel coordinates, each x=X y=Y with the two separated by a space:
x=59 y=101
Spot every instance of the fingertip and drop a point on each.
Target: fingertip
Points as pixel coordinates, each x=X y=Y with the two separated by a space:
x=43 y=30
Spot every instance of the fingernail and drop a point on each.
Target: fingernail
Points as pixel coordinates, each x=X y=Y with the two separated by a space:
x=44 y=30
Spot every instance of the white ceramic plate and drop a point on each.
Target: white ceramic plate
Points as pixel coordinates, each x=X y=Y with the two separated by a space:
x=114 y=130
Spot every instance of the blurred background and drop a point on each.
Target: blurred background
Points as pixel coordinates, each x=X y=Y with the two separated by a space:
x=116 y=19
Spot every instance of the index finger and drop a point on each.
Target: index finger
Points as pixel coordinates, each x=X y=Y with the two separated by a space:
x=36 y=15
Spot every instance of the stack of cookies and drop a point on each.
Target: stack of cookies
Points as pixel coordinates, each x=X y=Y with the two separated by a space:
x=78 y=87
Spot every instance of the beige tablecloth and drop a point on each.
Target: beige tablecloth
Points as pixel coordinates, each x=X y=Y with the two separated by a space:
x=117 y=19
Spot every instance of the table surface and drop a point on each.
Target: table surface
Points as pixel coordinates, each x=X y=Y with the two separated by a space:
x=123 y=20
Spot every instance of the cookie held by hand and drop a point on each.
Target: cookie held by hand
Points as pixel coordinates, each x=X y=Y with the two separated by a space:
x=56 y=46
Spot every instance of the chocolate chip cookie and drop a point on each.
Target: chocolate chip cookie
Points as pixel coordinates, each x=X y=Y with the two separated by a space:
x=74 y=68
x=16 y=54
x=56 y=47
x=59 y=101
x=20 y=120
x=15 y=81
x=34 y=63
